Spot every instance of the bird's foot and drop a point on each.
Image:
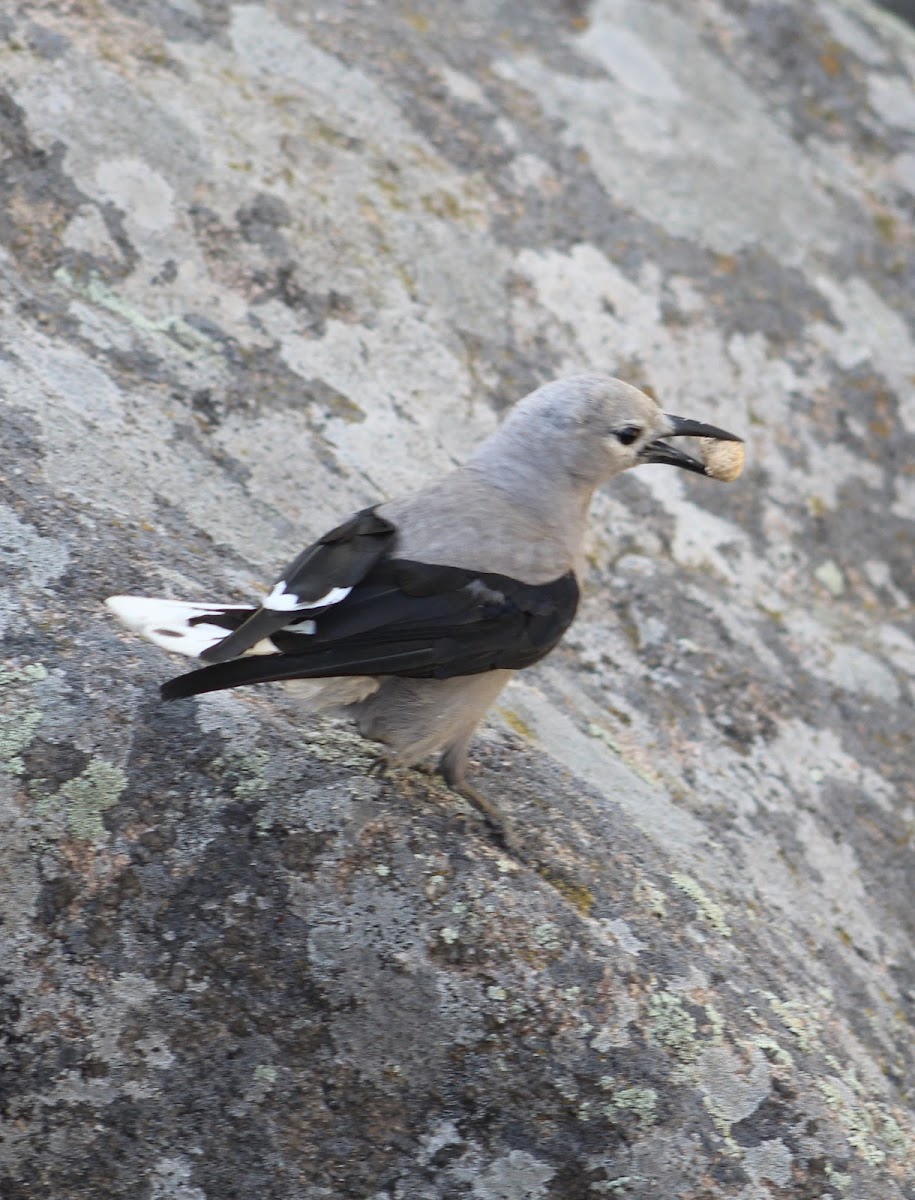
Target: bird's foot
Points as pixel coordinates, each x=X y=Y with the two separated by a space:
x=495 y=822
x=387 y=769
x=384 y=768
x=379 y=767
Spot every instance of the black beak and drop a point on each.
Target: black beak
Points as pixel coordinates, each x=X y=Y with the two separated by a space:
x=659 y=452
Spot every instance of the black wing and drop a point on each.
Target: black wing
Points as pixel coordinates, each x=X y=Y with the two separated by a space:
x=338 y=560
x=411 y=619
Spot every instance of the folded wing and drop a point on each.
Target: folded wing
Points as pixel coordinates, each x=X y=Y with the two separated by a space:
x=322 y=575
x=401 y=618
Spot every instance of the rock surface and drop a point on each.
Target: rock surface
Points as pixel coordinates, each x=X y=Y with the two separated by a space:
x=264 y=263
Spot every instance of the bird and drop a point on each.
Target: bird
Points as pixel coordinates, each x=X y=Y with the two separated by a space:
x=411 y=616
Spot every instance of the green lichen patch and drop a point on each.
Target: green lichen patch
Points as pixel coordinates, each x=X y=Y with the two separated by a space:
x=717 y=1023
x=89 y=795
x=868 y=1126
x=709 y=908
x=17 y=724
x=633 y=1103
x=650 y=898
x=250 y=780
x=772 y=1050
x=333 y=743
x=16 y=732
x=671 y=1026
x=30 y=673
x=799 y=1018
x=173 y=326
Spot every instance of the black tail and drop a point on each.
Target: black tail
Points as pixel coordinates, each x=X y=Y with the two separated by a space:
x=406 y=659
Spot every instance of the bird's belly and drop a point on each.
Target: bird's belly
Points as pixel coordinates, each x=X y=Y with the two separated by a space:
x=420 y=717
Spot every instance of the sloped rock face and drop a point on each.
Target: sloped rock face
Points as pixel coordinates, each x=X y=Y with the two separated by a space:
x=263 y=264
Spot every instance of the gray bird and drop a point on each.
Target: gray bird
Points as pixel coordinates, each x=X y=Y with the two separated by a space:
x=412 y=616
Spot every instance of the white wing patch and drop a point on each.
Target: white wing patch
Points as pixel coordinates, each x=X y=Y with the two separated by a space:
x=166 y=623
x=280 y=600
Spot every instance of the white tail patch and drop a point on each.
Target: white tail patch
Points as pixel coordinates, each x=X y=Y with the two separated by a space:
x=166 y=623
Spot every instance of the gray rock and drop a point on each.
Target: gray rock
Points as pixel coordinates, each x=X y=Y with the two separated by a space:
x=263 y=264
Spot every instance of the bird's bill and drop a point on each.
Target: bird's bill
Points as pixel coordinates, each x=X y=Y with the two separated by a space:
x=659 y=451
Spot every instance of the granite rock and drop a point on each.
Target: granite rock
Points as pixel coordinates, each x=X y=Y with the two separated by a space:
x=265 y=263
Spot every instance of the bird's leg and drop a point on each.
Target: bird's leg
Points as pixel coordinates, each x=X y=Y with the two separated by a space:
x=453 y=766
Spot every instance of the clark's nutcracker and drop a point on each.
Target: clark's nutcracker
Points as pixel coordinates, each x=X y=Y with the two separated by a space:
x=414 y=614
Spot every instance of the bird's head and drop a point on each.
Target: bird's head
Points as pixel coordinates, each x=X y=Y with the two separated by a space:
x=593 y=427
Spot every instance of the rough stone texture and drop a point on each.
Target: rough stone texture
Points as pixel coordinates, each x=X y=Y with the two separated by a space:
x=264 y=263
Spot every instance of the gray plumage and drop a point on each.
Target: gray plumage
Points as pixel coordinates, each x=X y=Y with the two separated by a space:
x=508 y=528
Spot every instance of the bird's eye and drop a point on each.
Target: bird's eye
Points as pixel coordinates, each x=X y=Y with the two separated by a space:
x=628 y=434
